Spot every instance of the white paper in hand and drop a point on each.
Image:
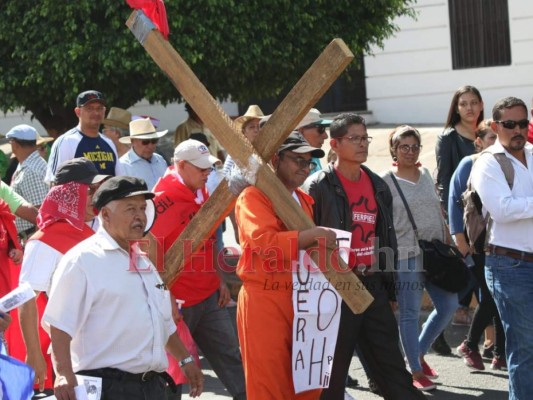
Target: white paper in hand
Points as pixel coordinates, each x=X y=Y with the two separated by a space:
x=16 y=297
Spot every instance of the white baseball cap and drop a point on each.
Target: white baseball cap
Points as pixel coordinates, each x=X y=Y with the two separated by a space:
x=313 y=118
x=196 y=153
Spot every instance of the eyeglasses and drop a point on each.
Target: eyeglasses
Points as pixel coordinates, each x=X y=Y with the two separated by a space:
x=146 y=142
x=510 y=124
x=321 y=128
x=356 y=139
x=301 y=162
x=404 y=148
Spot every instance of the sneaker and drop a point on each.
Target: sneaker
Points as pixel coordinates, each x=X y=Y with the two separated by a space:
x=428 y=371
x=488 y=352
x=462 y=317
x=424 y=384
x=440 y=346
x=472 y=358
x=499 y=364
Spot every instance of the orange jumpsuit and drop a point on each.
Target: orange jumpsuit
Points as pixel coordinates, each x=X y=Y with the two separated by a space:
x=265 y=309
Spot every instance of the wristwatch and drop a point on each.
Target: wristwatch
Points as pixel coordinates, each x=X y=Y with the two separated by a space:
x=186 y=360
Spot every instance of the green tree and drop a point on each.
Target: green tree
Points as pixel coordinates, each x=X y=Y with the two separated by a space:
x=51 y=50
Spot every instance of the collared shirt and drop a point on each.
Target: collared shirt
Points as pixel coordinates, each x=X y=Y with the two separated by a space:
x=28 y=181
x=150 y=171
x=511 y=210
x=118 y=316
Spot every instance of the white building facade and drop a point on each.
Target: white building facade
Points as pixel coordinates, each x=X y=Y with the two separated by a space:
x=484 y=43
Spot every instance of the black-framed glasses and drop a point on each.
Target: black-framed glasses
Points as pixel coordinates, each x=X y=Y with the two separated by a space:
x=356 y=139
x=301 y=162
x=510 y=124
x=146 y=142
x=405 y=148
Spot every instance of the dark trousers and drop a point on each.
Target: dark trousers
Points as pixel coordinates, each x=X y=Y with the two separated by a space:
x=485 y=313
x=376 y=333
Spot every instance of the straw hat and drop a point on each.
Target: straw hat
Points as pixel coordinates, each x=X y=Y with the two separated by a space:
x=142 y=129
x=43 y=139
x=118 y=117
x=253 y=112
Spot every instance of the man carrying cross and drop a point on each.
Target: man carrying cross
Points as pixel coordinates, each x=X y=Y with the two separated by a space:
x=265 y=310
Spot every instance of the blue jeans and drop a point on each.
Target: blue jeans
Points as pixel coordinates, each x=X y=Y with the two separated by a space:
x=511 y=283
x=410 y=285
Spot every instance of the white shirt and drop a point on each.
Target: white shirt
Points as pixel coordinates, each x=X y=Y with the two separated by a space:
x=117 y=316
x=41 y=260
x=511 y=211
x=38 y=265
x=150 y=171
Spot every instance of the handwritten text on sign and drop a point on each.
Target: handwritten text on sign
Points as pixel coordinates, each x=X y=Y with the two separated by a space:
x=317 y=307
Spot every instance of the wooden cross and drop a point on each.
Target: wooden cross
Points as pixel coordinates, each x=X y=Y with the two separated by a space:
x=300 y=99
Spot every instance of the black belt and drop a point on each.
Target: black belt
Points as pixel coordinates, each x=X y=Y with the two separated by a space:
x=113 y=373
x=505 y=251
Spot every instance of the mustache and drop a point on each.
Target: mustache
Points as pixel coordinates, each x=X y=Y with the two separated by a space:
x=138 y=224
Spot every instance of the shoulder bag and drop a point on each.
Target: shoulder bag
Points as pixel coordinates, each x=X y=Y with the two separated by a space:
x=443 y=264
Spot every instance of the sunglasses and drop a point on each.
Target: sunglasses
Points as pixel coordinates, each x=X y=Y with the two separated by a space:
x=510 y=124
x=146 y=142
x=301 y=162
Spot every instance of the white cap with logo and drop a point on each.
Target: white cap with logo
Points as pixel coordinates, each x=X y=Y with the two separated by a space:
x=196 y=153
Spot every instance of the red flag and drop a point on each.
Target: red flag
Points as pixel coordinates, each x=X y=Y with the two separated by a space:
x=155 y=10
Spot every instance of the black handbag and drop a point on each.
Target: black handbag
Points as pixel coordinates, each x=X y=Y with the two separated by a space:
x=443 y=264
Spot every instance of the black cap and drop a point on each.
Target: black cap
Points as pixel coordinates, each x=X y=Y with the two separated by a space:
x=296 y=143
x=78 y=170
x=120 y=187
x=88 y=97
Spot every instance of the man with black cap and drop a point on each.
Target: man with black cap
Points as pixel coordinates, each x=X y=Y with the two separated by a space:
x=65 y=218
x=85 y=140
x=109 y=313
x=265 y=312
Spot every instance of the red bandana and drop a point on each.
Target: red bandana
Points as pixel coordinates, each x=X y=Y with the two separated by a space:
x=64 y=202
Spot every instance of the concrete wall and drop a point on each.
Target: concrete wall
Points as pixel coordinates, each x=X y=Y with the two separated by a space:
x=411 y=79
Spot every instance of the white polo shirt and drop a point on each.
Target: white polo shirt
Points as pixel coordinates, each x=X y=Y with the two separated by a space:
x=117 y=316
x=511 y=210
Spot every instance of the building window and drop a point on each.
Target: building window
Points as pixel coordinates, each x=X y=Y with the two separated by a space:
x=479 y=33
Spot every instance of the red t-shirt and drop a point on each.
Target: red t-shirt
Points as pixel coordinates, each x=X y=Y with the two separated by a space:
x=364 y=213
x=176 y=205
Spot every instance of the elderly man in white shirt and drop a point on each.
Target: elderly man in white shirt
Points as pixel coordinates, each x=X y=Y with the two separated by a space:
x=509 y=253
x=109 y=313
x=141 y=160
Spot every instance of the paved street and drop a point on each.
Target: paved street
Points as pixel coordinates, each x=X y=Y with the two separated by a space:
x=456 y=381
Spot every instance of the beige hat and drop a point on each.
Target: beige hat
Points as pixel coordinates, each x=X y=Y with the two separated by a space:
x=43 y=139
x=142 y=129
x=118 y=117
x=253 y=112
x=196 y=153
x=313 y=118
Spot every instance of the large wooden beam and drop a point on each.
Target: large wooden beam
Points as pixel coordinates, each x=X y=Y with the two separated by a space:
x=284 y=120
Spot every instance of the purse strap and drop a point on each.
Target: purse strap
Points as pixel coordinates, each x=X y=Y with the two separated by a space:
x=395 y=181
